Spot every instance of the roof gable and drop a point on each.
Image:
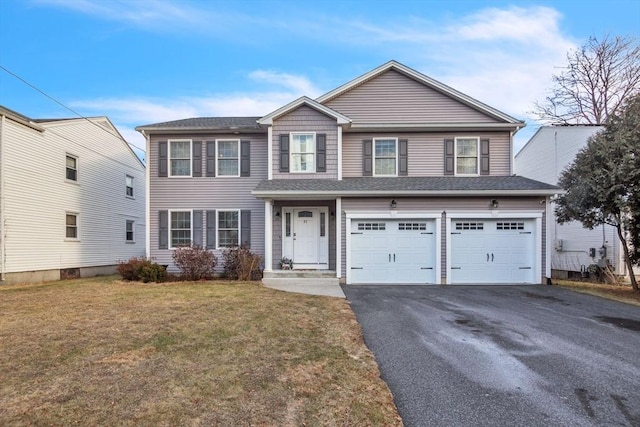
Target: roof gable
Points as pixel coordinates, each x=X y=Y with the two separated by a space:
x=269 y=118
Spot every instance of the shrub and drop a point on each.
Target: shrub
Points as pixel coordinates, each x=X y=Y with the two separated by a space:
x=195 y=263
x=141 y=269
x=242 y=264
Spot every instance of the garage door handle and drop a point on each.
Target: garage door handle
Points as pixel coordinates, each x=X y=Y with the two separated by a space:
x=426 y=233
x=487 y=257
x=389 y=257
x=352 y=233
x=394 y=257
x=456 y=268
x=426 y=268
x=525 y=268
x=357 y=268
x=491 y=257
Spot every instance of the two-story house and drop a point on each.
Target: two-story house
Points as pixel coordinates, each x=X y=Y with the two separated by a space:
x=392 y=177
x=72 y=198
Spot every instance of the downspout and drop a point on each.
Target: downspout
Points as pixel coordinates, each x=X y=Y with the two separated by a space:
x=147 y=196
x=2 y=197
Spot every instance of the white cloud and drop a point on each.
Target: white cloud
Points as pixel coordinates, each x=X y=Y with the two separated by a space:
x=297 y=84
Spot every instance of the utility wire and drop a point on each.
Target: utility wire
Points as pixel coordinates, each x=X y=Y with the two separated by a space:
x=70 y=109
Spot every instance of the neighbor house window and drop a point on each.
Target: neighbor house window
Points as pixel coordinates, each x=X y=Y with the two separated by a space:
x=385 y=157
x=228 y=228
x=228 y=157
x=71 y=229
x=303 y=149
x=129 y=231
x=129 y=185
x=467 y=156
x=72 y=168
x=180 y=228
x=180 y=158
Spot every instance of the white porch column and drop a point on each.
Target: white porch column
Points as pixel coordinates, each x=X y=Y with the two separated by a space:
x=338 y=237
x=268 y=235
x=339 y=153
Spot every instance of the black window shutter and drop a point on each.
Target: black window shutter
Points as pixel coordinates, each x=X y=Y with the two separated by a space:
x=245 y=228
x=367 y=157
x=245 y=158
x=484 y=157
x=211 y=158
x=284 y=152
x=162 y=158
x=449 y=157
x=197 y=158
x=321 y=152
x=197 y=228
x=403 y=157
x=163 y=229
x=211 y=229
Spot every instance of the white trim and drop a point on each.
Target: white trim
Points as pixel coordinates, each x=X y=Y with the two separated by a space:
x=170 y=240
x=319 y=209
x=132 y=187
x=190 y=141
x=374 y=156
x=147 y=194
x=133 y=230
x=437 y=216
x=77 y=215
x=360 y=126
x=303 y=100
x=455 y=155
x=339 y=237
x=390 y=193
x=270 y=152
x=218 y=175
x=218 y=227
x=3 y=243
x=77 y=168
x=315 y=152
x=339 y=153
x=268 y=235
x=549 y=220
x=537 y=216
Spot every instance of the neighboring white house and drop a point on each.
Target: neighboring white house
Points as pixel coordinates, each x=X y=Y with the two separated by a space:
x=72 y=198
x=549 y=151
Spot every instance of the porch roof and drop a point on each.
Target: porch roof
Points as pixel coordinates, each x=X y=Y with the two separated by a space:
x=451 y=186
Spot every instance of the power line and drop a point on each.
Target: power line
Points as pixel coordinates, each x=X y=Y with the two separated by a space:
x=70 y=109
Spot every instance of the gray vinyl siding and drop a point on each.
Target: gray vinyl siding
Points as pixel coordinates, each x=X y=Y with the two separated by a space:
x=37 y=196
x=438 y=205
x=426 y=151
x=207 y=193
x=394 y=98
x=306 y=119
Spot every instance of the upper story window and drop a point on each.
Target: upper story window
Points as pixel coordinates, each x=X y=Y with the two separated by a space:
x=129 y=186
x=303 y=150
x=180 y=158
x=71 y=226
x=228 y=228
x=385 y=155
x=72 y=168
x=466 y=156
x=180 y=228
x=228 y=157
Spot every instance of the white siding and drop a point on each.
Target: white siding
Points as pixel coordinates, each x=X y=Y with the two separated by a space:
x=37 y=196
x=543 y=158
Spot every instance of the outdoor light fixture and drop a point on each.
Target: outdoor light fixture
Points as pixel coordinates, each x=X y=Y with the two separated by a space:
x=494 y=204
x=393 y=204
x=277 y=214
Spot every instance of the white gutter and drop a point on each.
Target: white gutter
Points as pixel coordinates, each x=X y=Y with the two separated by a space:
x=147 y=191
x=2 y=201
x=407 y=193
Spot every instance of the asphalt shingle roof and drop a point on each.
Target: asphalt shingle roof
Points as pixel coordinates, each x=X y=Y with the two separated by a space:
x=208 y=123
x=404 y=184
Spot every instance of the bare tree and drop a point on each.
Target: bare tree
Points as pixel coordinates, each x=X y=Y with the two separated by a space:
x=599 y=77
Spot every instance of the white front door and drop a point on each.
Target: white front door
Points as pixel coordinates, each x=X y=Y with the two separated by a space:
x=305 y=236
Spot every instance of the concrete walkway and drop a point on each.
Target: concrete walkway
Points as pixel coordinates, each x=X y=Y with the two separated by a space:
x=321 y=289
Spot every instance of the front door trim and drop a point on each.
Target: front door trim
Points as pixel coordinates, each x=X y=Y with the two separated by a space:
x=321 y=260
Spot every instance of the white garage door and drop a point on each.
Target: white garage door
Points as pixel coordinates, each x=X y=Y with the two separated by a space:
x=493 y=251
x=392 y=251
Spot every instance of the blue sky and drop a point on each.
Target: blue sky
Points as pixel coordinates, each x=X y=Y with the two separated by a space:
x=141 y=62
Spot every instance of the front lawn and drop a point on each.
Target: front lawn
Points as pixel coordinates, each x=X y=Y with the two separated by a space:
x=622 y=292
x=106 y=352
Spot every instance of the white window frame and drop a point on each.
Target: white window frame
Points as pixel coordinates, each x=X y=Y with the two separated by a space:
x=169 y=159
x=66 y=168
x=133 y=231
x=77 y=226
x=374 y=156
x=170 y=228
x=237 y=141
x=314 y=153
x=455 y=156
x=127 y=186
x=218 y=228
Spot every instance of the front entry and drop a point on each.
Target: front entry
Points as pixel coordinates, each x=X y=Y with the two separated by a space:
x=305 y=237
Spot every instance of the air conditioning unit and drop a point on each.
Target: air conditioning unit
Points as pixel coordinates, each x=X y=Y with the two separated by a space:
x=557 y=245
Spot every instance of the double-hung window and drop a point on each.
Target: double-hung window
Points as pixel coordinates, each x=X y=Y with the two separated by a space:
x=129 y=186
x=303 y=151
x=180 y=228
x=228 y=157
x=385 y=156
x=71 y=226
x=180 y=158
x=228 y=228
x=129 y=231
x=71 y=168
x=467 y=156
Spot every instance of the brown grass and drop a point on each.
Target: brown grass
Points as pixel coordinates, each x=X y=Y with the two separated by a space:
x=622 y=293
x=105 y=352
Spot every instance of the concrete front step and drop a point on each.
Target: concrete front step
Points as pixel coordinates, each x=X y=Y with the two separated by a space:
x=311 y=274
x=294 y=281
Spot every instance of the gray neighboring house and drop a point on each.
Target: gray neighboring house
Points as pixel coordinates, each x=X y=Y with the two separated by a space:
x=573 y=248
x=72 y=198
x=391 y=178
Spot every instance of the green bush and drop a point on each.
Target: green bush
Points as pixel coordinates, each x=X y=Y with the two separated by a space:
x=195 y=263
x=153 y=273
x=141 y=269
x=242 y=264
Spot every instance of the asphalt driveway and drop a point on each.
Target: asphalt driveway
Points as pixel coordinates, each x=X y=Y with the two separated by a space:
x=503 y=355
